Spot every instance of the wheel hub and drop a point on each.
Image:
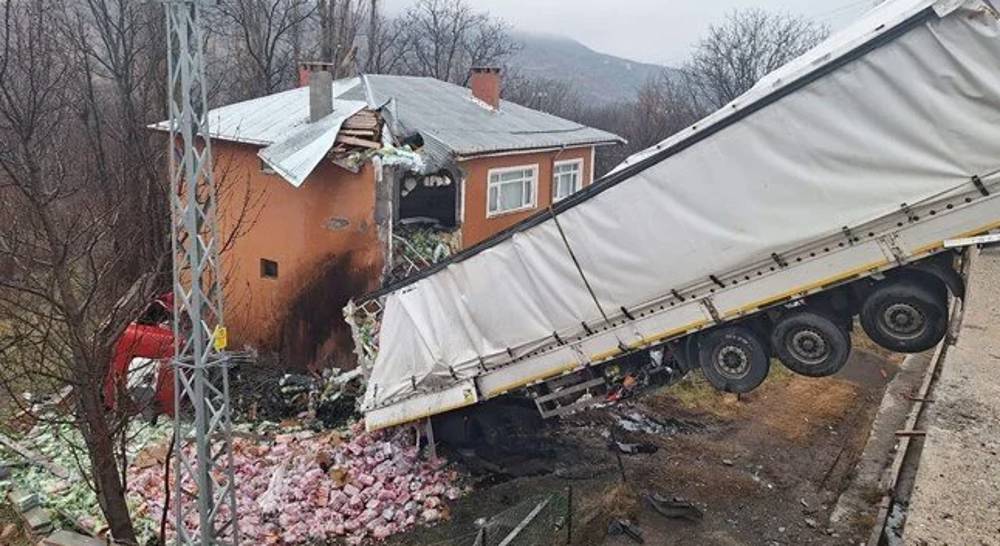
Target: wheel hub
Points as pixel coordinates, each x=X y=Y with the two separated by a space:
x=809 y=346
x=904 y=320
x=733 y=362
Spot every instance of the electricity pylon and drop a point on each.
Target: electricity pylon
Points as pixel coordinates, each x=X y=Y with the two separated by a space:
x=204 y=499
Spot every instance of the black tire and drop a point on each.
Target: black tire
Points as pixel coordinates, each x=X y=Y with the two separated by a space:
x=685 y=352
x=811 y=344
x=733 y=359
x=905 y=315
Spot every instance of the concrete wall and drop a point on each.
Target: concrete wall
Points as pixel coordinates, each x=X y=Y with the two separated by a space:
x=476 y=225
x=324 y=239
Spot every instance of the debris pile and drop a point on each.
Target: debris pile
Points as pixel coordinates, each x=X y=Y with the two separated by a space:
x=324 y=401
x=417 y=247
x=306 y=487
x=52 y=474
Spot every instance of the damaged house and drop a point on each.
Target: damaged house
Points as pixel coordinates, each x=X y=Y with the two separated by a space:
x=329 y=190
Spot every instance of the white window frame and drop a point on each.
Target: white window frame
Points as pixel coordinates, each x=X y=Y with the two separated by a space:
x=499 y=171
x=579 y=179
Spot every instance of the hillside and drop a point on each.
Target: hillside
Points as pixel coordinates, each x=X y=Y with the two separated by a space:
x=600 y=78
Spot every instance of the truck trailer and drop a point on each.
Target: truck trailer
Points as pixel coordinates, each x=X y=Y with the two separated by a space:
x=823 y=195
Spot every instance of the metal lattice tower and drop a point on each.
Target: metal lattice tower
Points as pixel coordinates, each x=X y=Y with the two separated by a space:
x=204 y=493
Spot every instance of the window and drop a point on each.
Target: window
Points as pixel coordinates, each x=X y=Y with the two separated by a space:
x=268 y=269
x=567 y=178
x=511 y=189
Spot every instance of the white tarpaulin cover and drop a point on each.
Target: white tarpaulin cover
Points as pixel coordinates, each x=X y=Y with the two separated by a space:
x=903 y=105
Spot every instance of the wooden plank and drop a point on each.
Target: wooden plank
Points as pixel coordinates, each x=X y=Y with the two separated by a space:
x=354 y=141
x=524 y=523
x=359 y=125
x=911 y=433
x=361 y=120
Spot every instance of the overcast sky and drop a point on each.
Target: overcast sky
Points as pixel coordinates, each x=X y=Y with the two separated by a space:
x=656 y=31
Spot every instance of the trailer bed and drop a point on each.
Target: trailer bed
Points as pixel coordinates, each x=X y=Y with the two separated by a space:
x=862 y=156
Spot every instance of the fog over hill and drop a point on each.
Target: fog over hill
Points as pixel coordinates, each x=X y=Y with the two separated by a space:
x=598 y=77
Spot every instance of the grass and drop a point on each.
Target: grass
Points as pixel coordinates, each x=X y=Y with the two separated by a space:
x=695 y=393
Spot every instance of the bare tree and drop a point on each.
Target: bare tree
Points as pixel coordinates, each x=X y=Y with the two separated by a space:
x=664 y=105
x=72 y=287
x=121 y=62
x=340 y=24
x=85 y=243
x=553 y=96
x=386 y=43
x=745 y=47
x=260 y=34
x=445 y=38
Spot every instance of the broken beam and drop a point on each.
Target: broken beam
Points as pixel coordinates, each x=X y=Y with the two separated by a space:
x=354 y=141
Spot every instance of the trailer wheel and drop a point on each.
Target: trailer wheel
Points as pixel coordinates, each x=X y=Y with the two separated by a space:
x=811 y=344
x=685 y=352
x=905 y=316
x=733 y=359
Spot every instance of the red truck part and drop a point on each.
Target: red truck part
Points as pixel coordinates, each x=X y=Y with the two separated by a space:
x=151 y=336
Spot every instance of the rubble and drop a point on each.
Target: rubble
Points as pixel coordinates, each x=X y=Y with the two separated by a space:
x=674 y=508
x=327 y=401
x=297 y=483
x=69 y=501
x=636 y=449
x=305 y=487
x=419 y=246
x=66 y=538
x=625 y=527
x=38 y=520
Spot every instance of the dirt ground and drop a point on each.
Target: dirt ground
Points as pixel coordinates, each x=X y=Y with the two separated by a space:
x=765 y=468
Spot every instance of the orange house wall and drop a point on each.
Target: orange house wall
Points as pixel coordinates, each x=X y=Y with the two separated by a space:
x=322 y=235
x=476 y=226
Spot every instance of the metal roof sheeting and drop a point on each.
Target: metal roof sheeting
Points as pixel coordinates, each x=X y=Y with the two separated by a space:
x=266 y=120
x=454 y=118
x=295 y=157
x=452 y=122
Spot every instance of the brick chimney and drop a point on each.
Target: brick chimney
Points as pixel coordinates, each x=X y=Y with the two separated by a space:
x=485 y=84
x=307 y=68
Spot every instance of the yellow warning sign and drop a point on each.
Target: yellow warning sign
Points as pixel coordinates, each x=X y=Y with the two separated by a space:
x=220 y=338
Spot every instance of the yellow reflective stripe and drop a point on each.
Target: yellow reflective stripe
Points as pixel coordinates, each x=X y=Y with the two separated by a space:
x=537 y=377
x=420 y=416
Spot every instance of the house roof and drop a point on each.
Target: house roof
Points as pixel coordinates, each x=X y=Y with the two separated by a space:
x=465 y=126
x=452 y=123
x=266 y=120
